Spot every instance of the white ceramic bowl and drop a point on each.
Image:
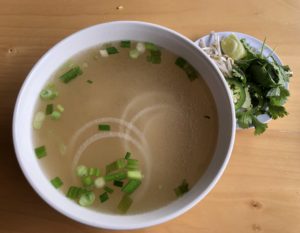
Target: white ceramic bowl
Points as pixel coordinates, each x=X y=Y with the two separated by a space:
x=115 y=31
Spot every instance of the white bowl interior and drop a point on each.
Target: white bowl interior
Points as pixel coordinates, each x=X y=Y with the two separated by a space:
x=114 y=31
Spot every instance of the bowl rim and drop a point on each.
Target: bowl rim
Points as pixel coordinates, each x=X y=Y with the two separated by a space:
x=147 y=223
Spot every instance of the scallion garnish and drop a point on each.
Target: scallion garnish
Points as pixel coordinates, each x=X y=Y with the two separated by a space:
x=38 y=120
x=116 y=176
x=135 y=175
x=103 y=197
x=56 y=182
x=71 y=74
x=118 y=172
x=87 y=198
x=103 y=53
x=125 y=204
x=75 y=192
x=60 y=108
x=99 y=182
x=112 y=50
x=48 y=93
x=182 y=188
x=87 y=181
x=40 y=152
x=132 y=164
x=191 y=72
x=104 y=127
x=125 y=44
x=134 y=54
x=49 y=109
x=128 y=155
x=55 y=115
x=151 y=46
x=120 y=163
x=140 y=47
x=108 y=189
x=131 y=186
x=81 y=171
x=118 y=183
x=188 y=69
x=181 y=62
x=94 y=171
x=154 y=57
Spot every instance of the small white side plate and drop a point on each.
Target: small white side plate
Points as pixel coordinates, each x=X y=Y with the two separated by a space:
x=256 y=44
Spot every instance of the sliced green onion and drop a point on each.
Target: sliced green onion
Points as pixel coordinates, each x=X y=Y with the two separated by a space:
x=89 y=81
x=134 y=54
x=118 y=164
x=189 y=69
x=151 y=46
x=94 y=171
x=103 y=53
x=125 y=204
x=128 y=155
x=118 y=183
x=131 y=186
x=182 y=188
x=108 y=189
x=49 y=109
x=71 y=74
x=56 y=182
x=132 y=164
x=55 y=115
x=103 y=197
x=81 y=171
x=99 y=182
x=191 y=72
x=135 y=175
x=38 y=120
x=140 y=47
x=75 y=192
x=87 y=199
x=112 y=50
x=104 y=127
x=87 y=181
x=154 y=57
x=40 y=152
x=116 y=176
x=60 y=108
x=125 y=44
x=48 y=94
x=181 y=62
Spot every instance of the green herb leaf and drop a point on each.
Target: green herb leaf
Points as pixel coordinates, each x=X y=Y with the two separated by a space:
x=182 y=188
x=279 y=96
x=239 y=74
x=277 y=111
x=244 y=119
x=259 y=126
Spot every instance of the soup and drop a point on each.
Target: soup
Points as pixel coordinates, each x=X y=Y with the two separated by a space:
x=125 y=127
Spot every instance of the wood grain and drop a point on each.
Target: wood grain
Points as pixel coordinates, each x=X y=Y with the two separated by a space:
x=260 y=190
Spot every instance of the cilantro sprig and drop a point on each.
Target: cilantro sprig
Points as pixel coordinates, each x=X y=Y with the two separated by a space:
x=266 y=81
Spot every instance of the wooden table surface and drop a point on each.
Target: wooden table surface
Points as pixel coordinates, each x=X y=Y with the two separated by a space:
x=259 y=191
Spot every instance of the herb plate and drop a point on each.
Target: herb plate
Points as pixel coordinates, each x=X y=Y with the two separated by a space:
x=256 y=44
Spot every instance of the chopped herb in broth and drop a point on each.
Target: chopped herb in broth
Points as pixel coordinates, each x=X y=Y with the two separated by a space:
x=131 y=136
